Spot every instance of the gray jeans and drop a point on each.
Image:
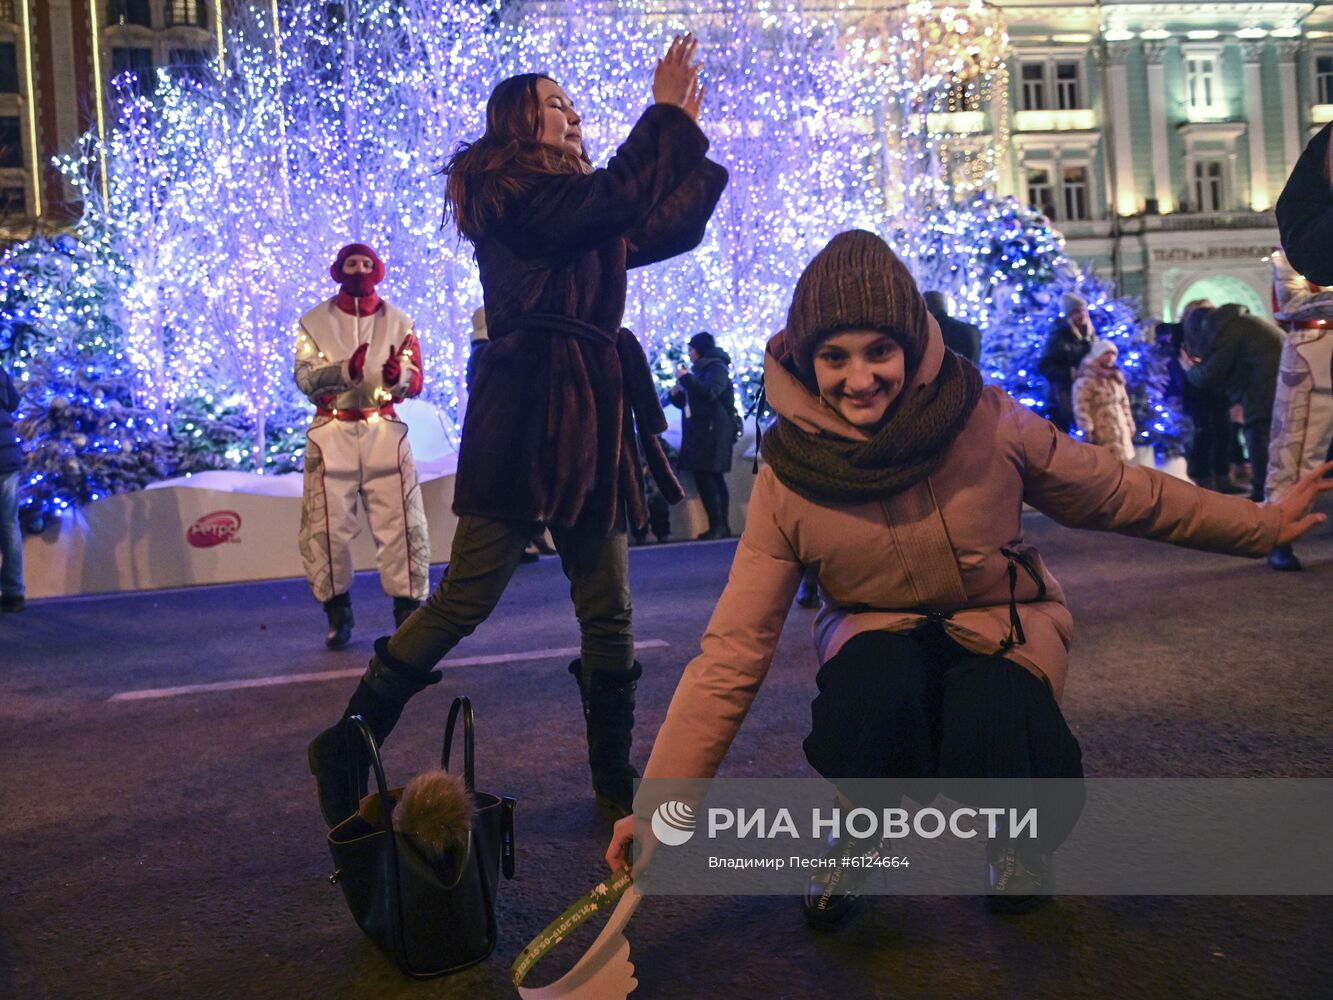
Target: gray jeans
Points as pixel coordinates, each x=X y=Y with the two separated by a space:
x=485 y=554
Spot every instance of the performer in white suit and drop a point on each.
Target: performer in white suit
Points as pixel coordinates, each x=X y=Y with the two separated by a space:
x=1303 y=408
x=355 y=356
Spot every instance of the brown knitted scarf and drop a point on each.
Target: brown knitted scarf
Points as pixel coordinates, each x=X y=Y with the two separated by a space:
x=909 y=447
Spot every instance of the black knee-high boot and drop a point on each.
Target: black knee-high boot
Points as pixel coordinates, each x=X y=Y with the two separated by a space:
x=338 y=758
x=608 y=710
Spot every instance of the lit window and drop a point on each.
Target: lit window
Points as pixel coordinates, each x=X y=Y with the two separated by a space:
x=192 y=64
x=9 y=68
x=13 y=203
x=138 y=63
x=1074 y=187
x=1040 y=195
x=1066 y=86
x=190 y=12
x=1202 y=84
x=129 y=12
x=1209 y=192
x=1323 y=79
x=1034 y=86
x=11 y=142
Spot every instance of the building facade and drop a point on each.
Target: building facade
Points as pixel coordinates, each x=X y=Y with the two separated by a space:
x=54 y=84
x=1157 y=136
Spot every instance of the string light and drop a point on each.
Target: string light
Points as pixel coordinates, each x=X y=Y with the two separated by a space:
x=225 y=195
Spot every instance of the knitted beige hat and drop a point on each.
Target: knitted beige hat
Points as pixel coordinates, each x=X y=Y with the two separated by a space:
x=856 y=282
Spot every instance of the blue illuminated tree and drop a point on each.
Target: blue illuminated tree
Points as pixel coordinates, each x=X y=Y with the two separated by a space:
x=86 y=436
x=1005 y=268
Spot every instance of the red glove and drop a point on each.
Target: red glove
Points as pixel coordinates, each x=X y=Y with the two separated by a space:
x=393 y=368
x=357 y=363
x=410 y=349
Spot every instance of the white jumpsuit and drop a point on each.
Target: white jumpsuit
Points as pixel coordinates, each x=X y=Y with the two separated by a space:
x=357 y=450
x=1303 y=407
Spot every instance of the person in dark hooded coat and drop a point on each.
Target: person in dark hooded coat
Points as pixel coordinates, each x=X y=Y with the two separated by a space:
x=11 y=467
x=1305 y=211
x=1238 y=354
x=705 y=394
x=959 y=337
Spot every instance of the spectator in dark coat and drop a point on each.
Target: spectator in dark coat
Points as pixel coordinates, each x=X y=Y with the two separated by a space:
x=1209 y=461
x=1067 y=346
x=1237 y=353
x=959 y=337
x=1305 y=212
x=710 y=428
x=11 y=464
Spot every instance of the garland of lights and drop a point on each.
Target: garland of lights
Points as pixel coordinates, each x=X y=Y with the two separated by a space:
x=212 y=206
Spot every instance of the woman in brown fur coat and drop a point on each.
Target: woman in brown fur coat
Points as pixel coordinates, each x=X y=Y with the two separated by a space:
x=1101 y=402
x=562 y=401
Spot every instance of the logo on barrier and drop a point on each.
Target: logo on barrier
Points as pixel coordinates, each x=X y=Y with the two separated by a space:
x=212 y=529
x=673 y=823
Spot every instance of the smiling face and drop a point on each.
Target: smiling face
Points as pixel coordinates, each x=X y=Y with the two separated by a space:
x=860 y=374
x=558 y=124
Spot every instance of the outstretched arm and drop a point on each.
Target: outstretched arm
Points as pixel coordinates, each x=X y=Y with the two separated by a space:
x=564 y=213
x=1084 y=486
x=1297 y=503
x=677 y=225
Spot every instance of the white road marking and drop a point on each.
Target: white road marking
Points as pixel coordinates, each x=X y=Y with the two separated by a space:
x=329 y=675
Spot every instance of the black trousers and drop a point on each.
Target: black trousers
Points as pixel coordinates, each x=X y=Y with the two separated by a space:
x=1210 y=451
x=1256 y=443
x=919 y=706
x=716 y=497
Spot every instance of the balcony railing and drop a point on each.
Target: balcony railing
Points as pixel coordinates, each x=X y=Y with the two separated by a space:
x=1177 y=221
x=957 y=122
x=1069 y=120
x=8 y=11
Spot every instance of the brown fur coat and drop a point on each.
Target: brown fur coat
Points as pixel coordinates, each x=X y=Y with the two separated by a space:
x=563 y=398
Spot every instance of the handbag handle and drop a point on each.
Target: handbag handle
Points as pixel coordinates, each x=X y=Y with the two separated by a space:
x=386 y=802
x=464 y=705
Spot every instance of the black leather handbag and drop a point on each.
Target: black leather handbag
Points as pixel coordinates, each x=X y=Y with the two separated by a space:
x=427 y=923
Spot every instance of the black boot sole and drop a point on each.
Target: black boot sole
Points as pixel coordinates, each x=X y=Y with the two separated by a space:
x=835 y=916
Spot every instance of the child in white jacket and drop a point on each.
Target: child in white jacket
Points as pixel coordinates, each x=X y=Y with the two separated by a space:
x=1101 y=402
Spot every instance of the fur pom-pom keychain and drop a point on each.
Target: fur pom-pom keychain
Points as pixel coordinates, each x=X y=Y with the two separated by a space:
x=436 y=813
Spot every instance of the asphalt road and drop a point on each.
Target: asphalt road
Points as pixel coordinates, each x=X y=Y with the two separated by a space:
x=171 y=846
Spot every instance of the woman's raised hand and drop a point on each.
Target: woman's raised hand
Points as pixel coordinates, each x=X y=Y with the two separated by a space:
x=1298 y=501
x=676 y=80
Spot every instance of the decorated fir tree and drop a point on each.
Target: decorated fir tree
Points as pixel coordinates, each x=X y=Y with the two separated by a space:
x=1005 y=268
x=86 y=436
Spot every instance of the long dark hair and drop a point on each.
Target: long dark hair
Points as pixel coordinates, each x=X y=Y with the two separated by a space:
x=482 y=174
